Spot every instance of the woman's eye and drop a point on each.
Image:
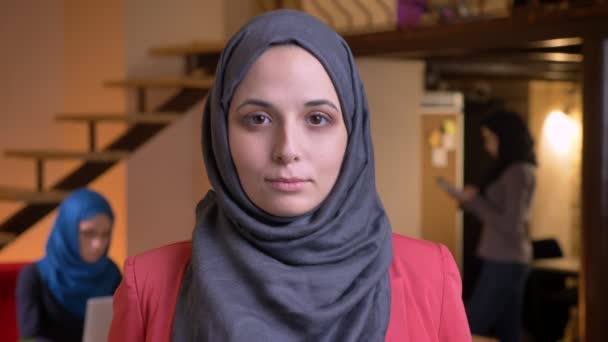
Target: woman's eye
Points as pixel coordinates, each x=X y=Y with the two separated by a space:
x=87 y=235
x=257 y=119
x=318 y=119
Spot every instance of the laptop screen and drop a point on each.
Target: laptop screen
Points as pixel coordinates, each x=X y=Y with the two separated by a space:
x=97 y=319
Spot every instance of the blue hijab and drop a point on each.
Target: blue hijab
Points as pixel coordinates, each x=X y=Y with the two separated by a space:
x=71 y=280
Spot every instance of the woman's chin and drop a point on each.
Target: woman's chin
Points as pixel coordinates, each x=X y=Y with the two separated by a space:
x=287 y=208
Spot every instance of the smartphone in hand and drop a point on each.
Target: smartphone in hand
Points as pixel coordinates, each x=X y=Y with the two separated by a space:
x=450 y=189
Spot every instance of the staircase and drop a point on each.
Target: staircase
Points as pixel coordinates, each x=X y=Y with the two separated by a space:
x=200 y=60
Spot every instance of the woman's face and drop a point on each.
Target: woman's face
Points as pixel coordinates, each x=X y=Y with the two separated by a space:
x=94 y=236
x=286 y=132
x=490 y=142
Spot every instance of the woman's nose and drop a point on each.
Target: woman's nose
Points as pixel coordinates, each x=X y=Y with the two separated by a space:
x=96 y=243
x=285 y=148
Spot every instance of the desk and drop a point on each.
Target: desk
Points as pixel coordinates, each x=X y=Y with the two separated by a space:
x=567 y=265
x=549 y=298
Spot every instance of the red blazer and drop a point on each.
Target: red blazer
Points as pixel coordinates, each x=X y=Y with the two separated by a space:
x=426 y=300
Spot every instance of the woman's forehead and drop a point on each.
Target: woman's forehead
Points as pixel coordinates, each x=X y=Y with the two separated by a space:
x=287 y=69
x=288 y=65
x=100 y=221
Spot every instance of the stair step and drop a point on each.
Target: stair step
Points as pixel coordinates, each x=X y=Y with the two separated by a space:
x=181 y=82
x=104 y=156
x=194 y=48
x=132 y=118
x=31 y=196
x=6 y=238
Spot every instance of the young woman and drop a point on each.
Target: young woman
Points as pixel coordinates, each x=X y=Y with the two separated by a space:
x=292 y=243
x=52 y=293
x=502 y=204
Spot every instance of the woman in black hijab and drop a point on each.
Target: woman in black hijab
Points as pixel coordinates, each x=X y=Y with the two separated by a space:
x=502 y=203
x=292 y=243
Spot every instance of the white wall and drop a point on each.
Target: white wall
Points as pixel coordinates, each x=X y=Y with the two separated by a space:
x=394 y=91
x=153 y=23
x=556 y=205
x=32 y=87
x=166 y=178
x=237 y=14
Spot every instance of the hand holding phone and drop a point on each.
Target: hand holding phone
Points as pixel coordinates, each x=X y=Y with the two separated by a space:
x=450 y=189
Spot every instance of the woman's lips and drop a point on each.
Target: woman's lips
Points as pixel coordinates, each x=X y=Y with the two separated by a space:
x=287 y=184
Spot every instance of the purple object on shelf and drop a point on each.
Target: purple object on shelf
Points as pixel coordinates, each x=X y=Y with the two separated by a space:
x=409 y=12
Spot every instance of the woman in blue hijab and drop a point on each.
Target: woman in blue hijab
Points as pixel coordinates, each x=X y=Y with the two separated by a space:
x=52 y=293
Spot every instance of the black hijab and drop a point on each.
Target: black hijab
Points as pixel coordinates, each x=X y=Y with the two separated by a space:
x=322 y=276
x=515 y=143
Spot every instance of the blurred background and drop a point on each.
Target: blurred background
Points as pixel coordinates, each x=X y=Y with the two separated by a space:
x=109 y=95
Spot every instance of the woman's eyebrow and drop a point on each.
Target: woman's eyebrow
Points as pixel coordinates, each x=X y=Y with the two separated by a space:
x=321 y=102
x=266 y=104
x=256 y=102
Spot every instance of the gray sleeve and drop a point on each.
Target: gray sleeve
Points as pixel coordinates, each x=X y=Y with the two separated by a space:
x=517 y=186
x=28 y=298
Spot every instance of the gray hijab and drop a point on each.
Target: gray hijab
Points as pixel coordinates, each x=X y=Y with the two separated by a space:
x=322 y=276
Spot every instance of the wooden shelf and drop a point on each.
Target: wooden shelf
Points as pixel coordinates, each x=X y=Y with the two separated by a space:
x=564 y=265
x=194 y=83
x=131 y=118
x=540 y=28
x=534 y=29
x=31 y=196
x=109 y=156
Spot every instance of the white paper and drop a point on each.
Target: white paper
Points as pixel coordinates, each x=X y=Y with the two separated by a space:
x=449 y=142
x=439 y=157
